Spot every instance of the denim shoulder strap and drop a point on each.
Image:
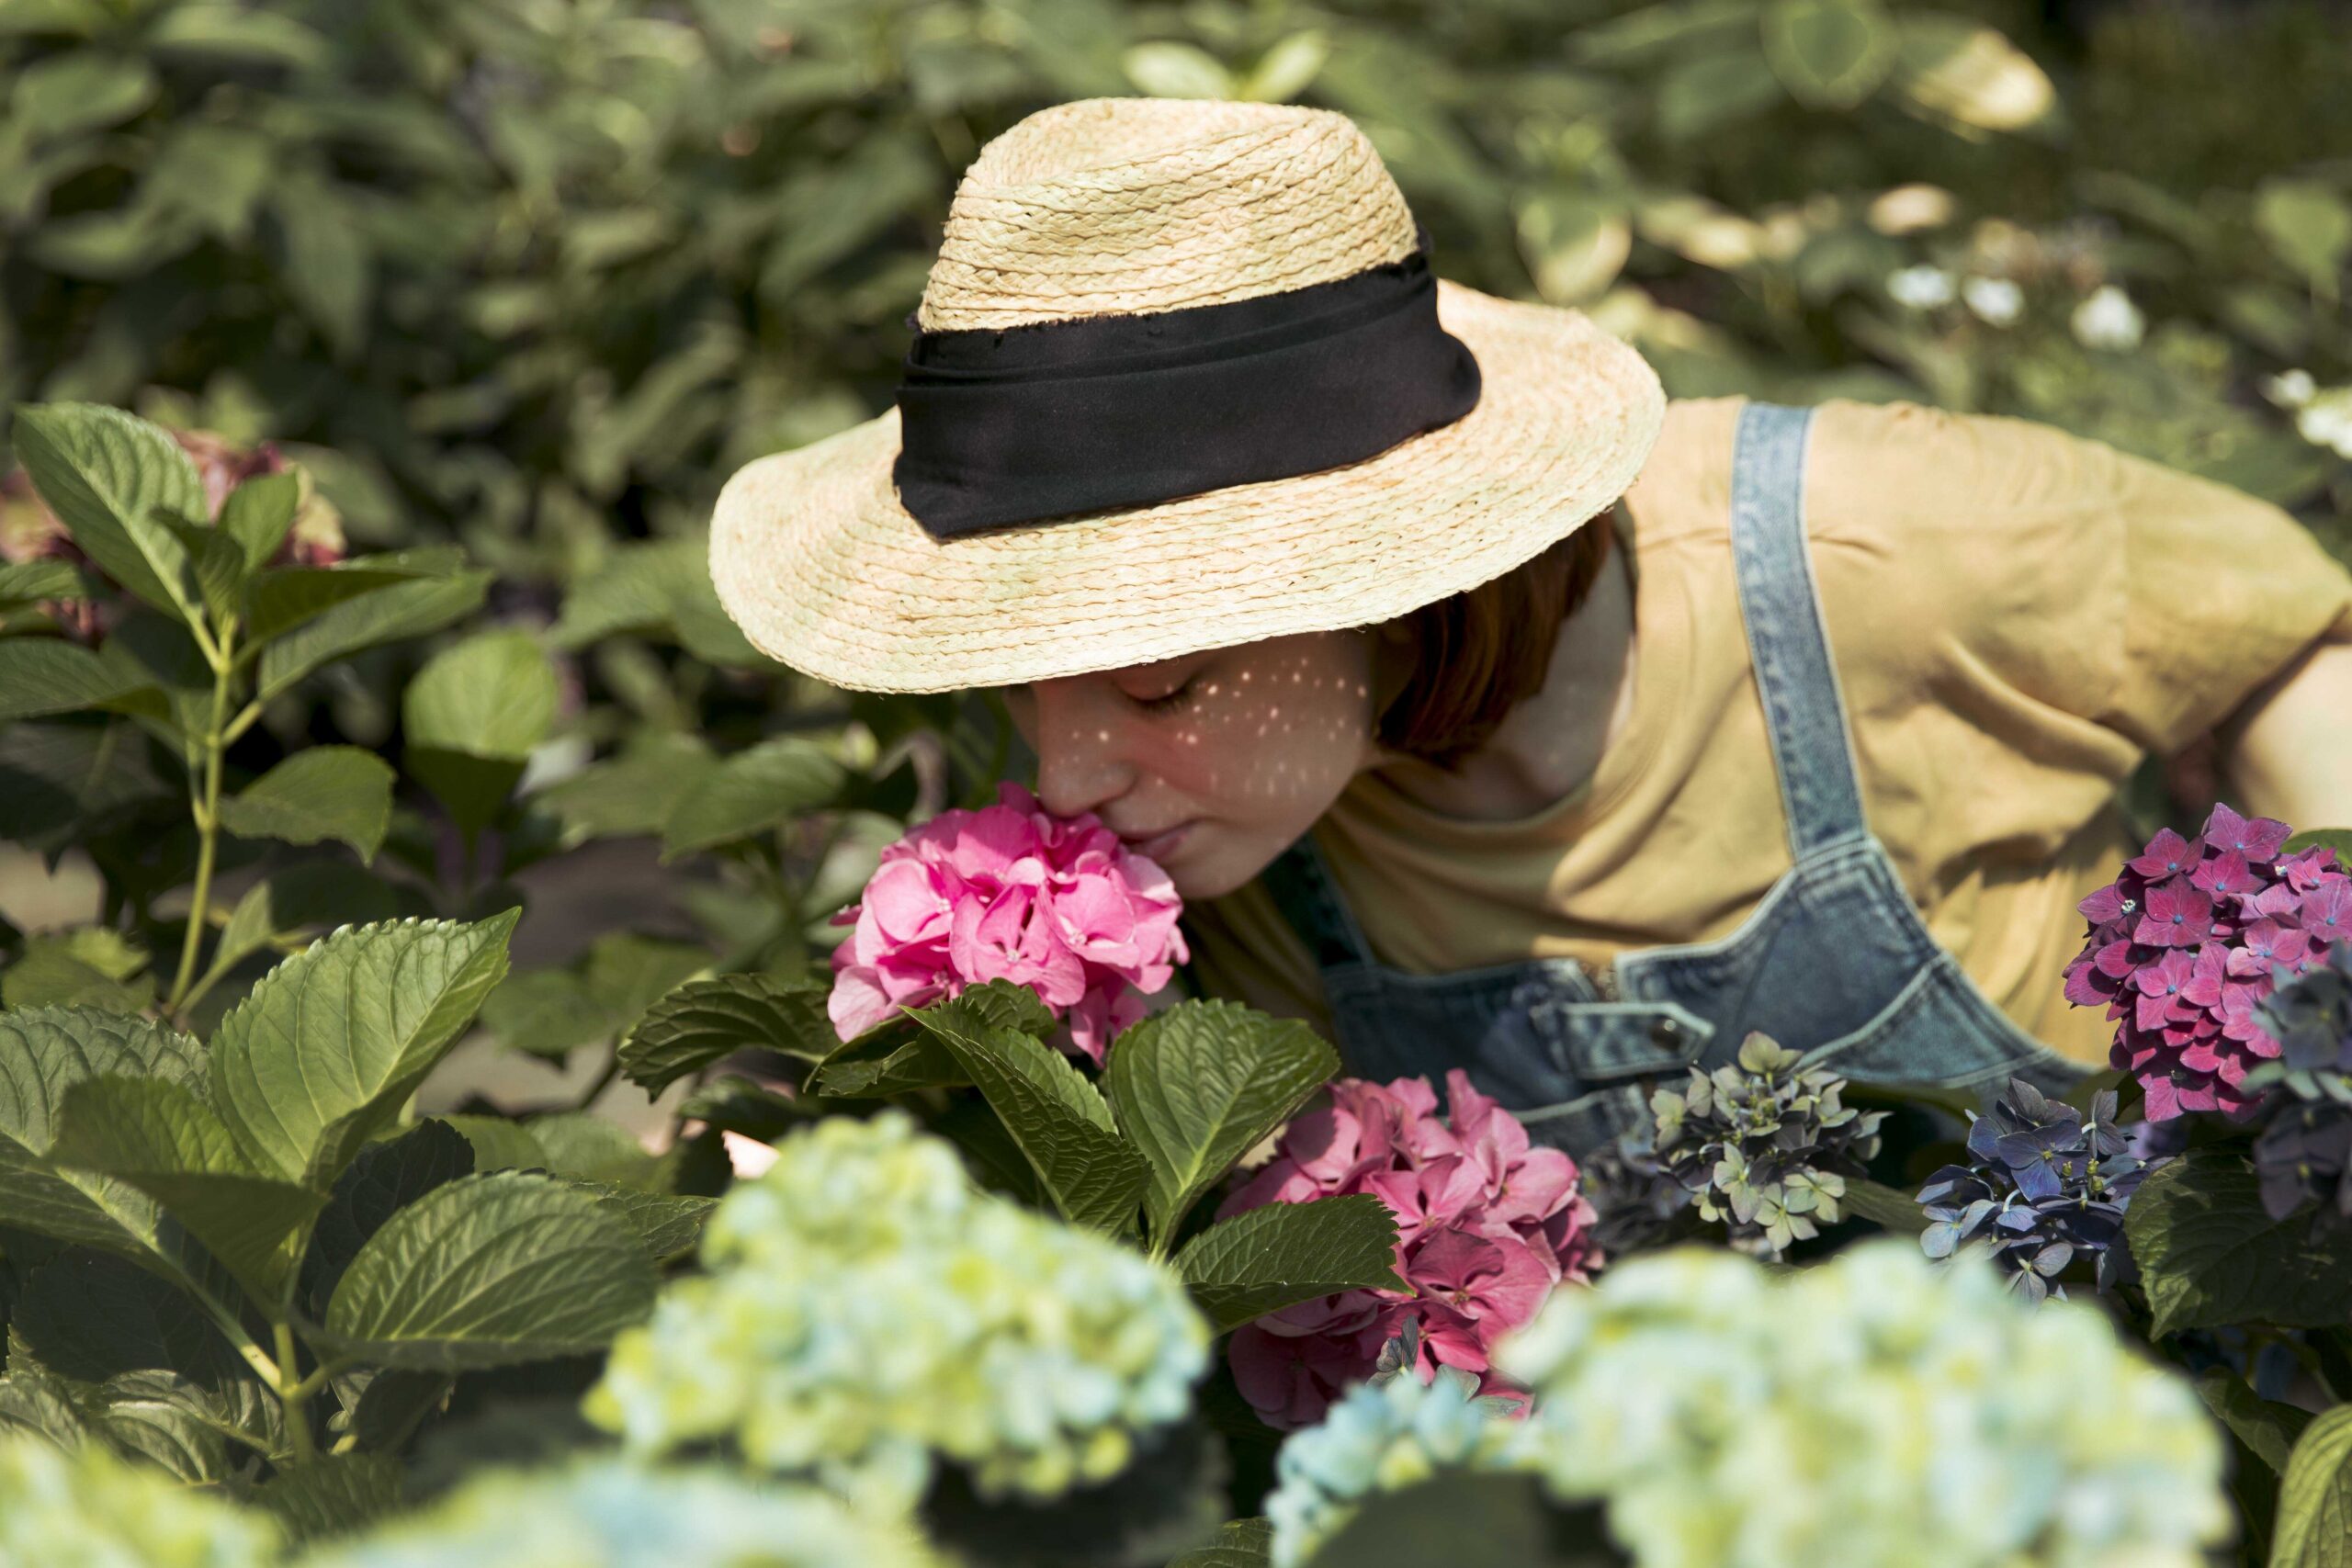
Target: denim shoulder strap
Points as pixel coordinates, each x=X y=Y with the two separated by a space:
x=1804 y=712
x=1300 y=885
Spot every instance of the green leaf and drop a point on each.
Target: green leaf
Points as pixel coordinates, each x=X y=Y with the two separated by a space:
x=1241 y=1543
x=545 y=1012
x=492 y=696
x=662 y=587
x=2336 y=839
x=750 y=792
x=163 y=1419
x=631 y=793
x=1095 y=1178
x=491 y=1269
x=27 y=581
x=1197 y=1087
x=499 y=1144
x=44 y=1052
x=80 y=91
x=44 y=675
x=159 y=1137
x=330 y=1044
x=114 y=480
x=2308 y=224
x=1829 y=53
x=1713 y=91
x=288 y=596
x=326 y=792
x=1884 y=1206
x=258 y=513
x=703 y=1022
x=2212 y=1254
x=587 y=1147
x=93 y=967
x=333 y=1495
x=384 y=1179
x=1278 y=1255
x=289 y=901
x=397 y=611
x=34 y=1400
x=2315 y=1498
x=666 y=1225
x=2267 y=1427
x=1431 y=1522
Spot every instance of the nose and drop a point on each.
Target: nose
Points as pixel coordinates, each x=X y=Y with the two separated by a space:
x=1082 y=762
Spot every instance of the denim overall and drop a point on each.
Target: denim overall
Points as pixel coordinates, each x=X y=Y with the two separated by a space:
x=1835 y=961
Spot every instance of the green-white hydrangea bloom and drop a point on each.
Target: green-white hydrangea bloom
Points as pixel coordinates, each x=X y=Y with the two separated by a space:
x=866 y=1308
x=613 y=1513
x=86 y=1509
x=1874 y=1410
x=1382 y=1436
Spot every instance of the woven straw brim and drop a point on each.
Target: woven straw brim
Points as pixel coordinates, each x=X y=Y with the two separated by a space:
x=814 y=557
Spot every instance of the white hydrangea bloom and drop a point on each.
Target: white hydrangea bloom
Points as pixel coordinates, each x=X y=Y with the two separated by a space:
x=611 y=1513
x=1921 y=287
x=2325 y=418
x=86 y=1509
x=1871 y=1412
x=1380 y=1436
x=866 y=1308
x=2109 y=321
x=1996 y=300
x=2290 y=388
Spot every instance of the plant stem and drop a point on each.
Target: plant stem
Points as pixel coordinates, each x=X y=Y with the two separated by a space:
x=206 y=808
x=604 y=1080
x=296 y=1395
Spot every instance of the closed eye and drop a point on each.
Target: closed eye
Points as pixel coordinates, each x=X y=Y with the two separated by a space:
x=1169 y=702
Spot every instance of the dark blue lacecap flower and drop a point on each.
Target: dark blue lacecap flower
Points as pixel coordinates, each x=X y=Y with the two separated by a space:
x=2044 y=1185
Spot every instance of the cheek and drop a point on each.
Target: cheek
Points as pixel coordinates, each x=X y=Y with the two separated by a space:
x=1269 y=747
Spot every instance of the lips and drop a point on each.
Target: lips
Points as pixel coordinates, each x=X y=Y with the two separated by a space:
x=1158 y=845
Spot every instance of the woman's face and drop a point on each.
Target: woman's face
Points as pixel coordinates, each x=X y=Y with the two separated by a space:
x=1213 y=763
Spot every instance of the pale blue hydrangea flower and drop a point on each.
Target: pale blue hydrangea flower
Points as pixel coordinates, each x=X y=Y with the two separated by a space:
x=1920 y=287
x=2108 y=320
x=866 y=1309
x=1995 y=301
x=1871 y=1412
x=1382 y=1436
x=86 y=1509
x=612 y=1512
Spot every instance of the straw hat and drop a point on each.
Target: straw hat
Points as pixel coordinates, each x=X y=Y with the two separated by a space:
x=1112 y=207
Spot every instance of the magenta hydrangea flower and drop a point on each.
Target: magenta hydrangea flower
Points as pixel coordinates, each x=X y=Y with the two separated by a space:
x=2187 y=943
x=1487 y=1224
x=1011 y=892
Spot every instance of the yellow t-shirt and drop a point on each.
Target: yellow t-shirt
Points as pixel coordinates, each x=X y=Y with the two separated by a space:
x=2016 y=615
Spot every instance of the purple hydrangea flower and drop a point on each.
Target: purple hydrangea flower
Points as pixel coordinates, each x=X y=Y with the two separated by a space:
x=2188 y=942
x=2305 y=1147
x=2043 y=1186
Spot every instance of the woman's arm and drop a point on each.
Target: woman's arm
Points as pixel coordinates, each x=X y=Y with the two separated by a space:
x=2286 y=752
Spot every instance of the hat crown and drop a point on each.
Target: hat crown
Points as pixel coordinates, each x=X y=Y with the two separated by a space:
x=1135 y=206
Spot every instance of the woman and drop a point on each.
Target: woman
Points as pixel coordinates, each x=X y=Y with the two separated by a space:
x=1490 y=711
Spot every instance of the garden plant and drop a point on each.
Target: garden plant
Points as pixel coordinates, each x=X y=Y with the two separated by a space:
x=871 y=1191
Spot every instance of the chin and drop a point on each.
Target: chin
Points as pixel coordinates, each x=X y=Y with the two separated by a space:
x=1211 y=865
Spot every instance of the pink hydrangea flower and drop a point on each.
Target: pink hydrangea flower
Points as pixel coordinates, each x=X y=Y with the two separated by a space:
x=1011 y=892
x=2186 y=943
x=1487 y=1226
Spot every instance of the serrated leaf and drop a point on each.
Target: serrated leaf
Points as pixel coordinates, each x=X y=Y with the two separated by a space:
x=2336 y=839
x=491 y=1269
x=257 y=515
x=1884 y=1206
x=163 y=1419
x=93 y=967
x=1197 y=1087
x=545 y=1012
x=159 y=1137
x=1266 y=1259
x=1095 y=1178
x=44 y=1052
x=703 y=1021
x=2211 y=1254
x=333 y=1495
x=749 y=793
x=43 y=675
x=114 y=480
x=326 y=792
x=665 y=1225
x=921 y=1063
x=322 y=1054
x=2314 y=1528
x=399 y=611
x=34 y=1400
x=300 y=897
x=384 y=1179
